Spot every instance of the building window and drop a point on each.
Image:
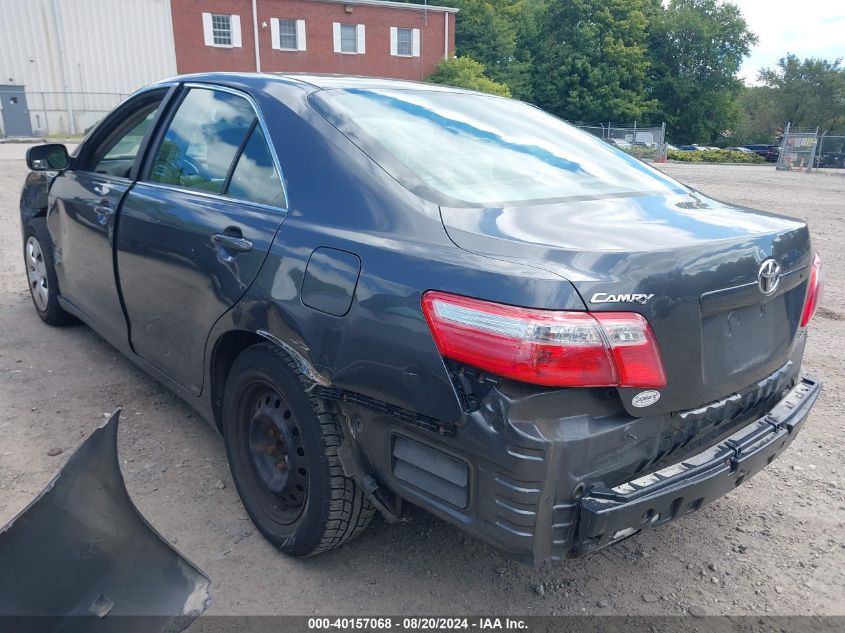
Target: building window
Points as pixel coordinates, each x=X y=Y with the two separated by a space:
x=349 y=38
x=221 y=29
x=404 y=42
x=287 y=34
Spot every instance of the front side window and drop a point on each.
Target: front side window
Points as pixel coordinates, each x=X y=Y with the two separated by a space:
x=287 y=35
x=404 y=42
x=114 y=153
x=221 y=29
x=125 y=148
x=460 y=149
x=348 y=38
x=202 y=140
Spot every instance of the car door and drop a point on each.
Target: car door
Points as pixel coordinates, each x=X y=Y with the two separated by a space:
x=82 y=213
x=196 y=227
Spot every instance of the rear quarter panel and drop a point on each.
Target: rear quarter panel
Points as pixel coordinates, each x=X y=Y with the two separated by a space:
x=339 y=198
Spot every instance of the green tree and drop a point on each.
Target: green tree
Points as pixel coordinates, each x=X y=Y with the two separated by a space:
x=807 y=93
x=465 y=72
x=759 y=119
x=489 y=30
x=696 y=48
x=590 y=59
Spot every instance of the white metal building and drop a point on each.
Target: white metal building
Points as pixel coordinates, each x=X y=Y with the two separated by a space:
x=65 y=63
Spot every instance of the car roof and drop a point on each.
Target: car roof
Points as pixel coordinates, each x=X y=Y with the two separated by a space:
x=317 y=81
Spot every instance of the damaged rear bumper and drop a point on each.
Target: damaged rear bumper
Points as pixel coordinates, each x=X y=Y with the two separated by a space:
x=609 y=515
x=539 y=485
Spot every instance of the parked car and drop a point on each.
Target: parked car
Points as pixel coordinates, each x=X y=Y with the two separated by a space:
x=744 y=150
x=384 y=291
x=769 y=152
x=831 y=154
x=831 y=159
x=620 y=143
x=690 y=148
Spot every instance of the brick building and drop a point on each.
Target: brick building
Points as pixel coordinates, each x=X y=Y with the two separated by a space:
x=55 y=78
x=356 y=37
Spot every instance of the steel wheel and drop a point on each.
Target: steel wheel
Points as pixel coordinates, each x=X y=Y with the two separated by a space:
x=276 y=450
x=282 y=444
x=36 y=270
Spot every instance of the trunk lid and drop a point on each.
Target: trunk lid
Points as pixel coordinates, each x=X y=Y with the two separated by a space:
x=687 y=263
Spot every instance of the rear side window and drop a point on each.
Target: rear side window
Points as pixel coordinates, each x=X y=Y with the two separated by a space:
x=202 y=140
x=255 y=177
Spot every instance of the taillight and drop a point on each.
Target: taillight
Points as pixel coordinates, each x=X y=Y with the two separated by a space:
x=814 y=291
x=546 y=347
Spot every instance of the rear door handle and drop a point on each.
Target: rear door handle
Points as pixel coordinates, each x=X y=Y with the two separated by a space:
x=231 y=243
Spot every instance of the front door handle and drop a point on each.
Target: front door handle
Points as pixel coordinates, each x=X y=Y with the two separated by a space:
x=231 y=243
x=104 y=212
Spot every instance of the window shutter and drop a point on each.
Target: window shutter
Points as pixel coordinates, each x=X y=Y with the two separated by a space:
x=300 y=35
x=394 y=37
x=274 y=33
x=236 y=31
x=415 y=45
x=207 y=33
x=361 y=42
x=336 y=30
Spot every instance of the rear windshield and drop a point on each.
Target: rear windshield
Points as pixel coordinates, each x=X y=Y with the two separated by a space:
x=461 y=149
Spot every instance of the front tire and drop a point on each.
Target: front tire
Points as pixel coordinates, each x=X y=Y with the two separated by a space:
x=41 y=273
x=282 y=447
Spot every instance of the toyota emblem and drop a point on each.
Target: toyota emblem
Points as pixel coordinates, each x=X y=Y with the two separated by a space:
x=769 y=276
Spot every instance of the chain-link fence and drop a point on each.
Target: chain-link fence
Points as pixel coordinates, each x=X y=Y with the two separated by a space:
x=56 y=113
x=645 y=142
x=798 y=149
x=830 y=153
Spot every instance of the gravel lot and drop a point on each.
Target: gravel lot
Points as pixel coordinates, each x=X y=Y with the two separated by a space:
x=773 y=546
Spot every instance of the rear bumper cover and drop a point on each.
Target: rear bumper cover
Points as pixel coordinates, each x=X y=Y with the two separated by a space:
x=80 y=558
x=539 y=487
x=610 y=514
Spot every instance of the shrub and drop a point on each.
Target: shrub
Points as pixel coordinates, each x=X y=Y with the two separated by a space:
x=465 y=72
x=714 y=156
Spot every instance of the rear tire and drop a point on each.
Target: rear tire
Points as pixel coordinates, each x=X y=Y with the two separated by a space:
x=282 y=447
x=41 y=273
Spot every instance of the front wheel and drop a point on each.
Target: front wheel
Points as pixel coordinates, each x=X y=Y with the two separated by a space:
x=41 y=273
x=282 y=447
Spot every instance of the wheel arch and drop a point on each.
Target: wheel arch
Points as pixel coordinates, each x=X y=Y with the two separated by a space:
x=226 y=349
x=33 y=202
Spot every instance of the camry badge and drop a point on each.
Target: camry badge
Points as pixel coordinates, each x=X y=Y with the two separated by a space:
x=768 y=277
x=645 y=398
x=603 y=297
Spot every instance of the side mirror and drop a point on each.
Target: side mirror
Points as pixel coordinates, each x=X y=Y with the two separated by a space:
x=48 y=157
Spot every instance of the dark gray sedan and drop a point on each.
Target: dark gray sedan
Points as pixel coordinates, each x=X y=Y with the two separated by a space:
x=384 y=291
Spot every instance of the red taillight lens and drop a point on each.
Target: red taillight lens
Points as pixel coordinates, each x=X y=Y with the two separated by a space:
x=546 y=347
x=814 y=291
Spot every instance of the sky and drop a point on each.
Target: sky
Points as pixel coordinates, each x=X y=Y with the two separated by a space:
x=808 y=28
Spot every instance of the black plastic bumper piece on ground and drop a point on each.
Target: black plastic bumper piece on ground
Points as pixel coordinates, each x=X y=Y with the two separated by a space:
x=608 y=515
x=81 y=558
